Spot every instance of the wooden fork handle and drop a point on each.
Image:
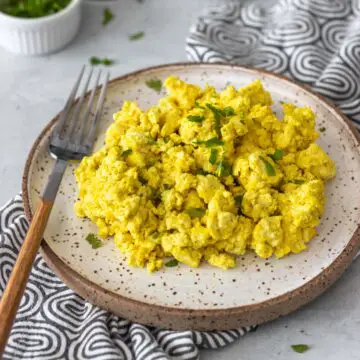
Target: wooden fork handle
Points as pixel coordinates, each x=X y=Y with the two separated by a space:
x=11 y=297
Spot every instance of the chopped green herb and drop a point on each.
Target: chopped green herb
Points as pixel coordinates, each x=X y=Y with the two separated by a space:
x=198 y=105
x=196 y=118
x=268 y=167
x=31 y=8
x=201 y=172
x=94 y=241
x=242 y=116
x=126 y=153
x=167 y=186
x=166 y=139
x=217 y=116
x=214 y=141
x=238 y=200
x=322 y=129
x=195 y=212
x=300 y=348
x=296 y=181
x=229 y=111
x=97 y=61
x=154 y=84
x=277 y=155
x=136 y=36
x=151 y=141
x=213 y=156
x=172 y=263
x=223 y=168
x=108 y=16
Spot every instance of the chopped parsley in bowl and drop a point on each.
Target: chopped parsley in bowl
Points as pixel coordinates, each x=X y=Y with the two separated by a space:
x=33 y=8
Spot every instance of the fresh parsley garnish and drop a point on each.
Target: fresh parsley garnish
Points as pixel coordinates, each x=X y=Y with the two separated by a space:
x=198 y=105
x=214 y=141
x=94 y=60
x=126 y=153
x=195 y=212
x=223 y=168
x=136 y=36
x=32 y=9
x=300 y=348
x=270 y=171
x=94 y=241
x=196 y=118
x=217 y=116
x=296 y=181
x=166 y=139
x=108 y=16
x=322 y=129
x=172 y=263
x=229 y=111
x=213 y=156
x=155 y=84
x=238 y=200
x=277 y=155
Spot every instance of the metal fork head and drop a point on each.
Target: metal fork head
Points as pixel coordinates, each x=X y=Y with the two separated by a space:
x=74 y=135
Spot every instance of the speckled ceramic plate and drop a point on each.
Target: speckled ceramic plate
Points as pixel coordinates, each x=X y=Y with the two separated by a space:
x=205 y=298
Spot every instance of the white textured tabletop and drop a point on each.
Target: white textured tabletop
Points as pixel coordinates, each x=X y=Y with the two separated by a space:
x=32 y=91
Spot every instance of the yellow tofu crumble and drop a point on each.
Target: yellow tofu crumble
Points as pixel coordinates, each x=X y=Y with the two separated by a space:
x=206 y=176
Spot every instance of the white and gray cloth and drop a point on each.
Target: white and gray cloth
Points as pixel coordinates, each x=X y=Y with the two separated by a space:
x=314 y=41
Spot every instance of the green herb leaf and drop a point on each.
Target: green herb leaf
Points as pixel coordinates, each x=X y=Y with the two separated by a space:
x=300 y=348
x=296 y=181
x=322 y=129
x=195 y=212
x=154 y=84
x=198 y=105
x=229 y=111
x=270 y=171
x=126 y=153
x=94 y=241
x=136 y=36
x=167 y=186
x=277 y=155
x=166 y=139
x=196 y=118
x=217 y=116
x=172 y=263
x=213 y=156
x=214 y=141
x=31 y=8
x=238 y=200
x=223 y=168
x=97 y=61
x=201 y=172
x=242 y=116
x=108 y=16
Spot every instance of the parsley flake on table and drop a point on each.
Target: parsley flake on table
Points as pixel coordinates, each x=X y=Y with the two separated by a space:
x=322 y=129
x=94 y=60
x=300 y=348
x=270 y=171
x=154 y=84
x=108 y=16
x=94 y=241
x=172 y=263
x=136 y=36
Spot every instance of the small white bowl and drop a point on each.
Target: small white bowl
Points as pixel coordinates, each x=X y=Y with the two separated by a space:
x=37 y=36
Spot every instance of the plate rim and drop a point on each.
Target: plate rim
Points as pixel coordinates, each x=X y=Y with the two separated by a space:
x=197 y=319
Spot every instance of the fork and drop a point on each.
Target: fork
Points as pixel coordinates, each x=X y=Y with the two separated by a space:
x=72 y=139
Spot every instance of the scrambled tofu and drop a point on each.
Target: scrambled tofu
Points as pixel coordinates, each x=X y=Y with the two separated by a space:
x=206 y=176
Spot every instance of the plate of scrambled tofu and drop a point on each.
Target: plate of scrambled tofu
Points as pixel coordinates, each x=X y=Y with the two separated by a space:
x=216 y=197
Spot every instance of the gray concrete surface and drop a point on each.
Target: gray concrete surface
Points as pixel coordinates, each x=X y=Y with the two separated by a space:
x=32 y=91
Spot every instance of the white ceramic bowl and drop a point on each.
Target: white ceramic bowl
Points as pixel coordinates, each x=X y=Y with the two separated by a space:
x=37 y=36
